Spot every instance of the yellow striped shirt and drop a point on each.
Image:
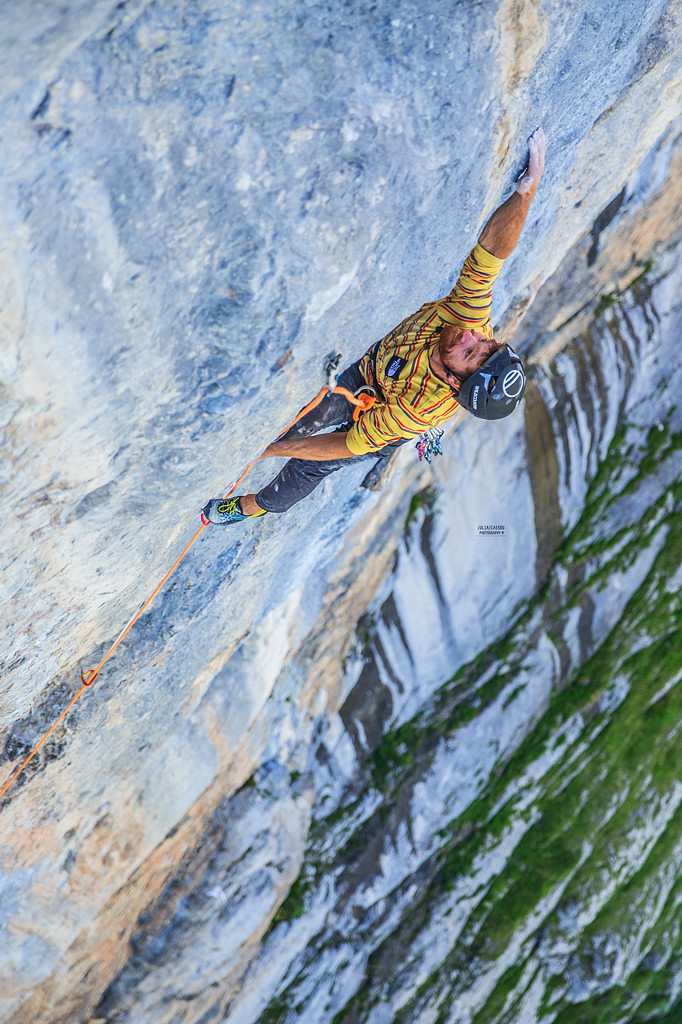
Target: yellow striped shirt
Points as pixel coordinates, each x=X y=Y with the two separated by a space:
x=416 y=399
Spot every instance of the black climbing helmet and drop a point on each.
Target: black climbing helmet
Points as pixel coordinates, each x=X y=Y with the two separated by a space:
x=496 y=388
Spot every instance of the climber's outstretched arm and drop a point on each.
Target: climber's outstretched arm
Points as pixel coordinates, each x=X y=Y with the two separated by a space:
x=501 y=233
x=319 y=448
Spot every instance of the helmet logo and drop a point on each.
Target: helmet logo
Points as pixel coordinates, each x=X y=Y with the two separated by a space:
x=513 y=382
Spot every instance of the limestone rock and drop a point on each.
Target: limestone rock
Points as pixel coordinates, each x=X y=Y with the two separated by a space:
x=199 y=200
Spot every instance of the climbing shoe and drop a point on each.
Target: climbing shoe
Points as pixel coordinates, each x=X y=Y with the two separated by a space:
x=222 y=511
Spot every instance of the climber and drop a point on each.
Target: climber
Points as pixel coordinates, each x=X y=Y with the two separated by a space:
x=441 y=358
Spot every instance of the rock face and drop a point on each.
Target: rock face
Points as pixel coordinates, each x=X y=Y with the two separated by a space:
x=375 y=761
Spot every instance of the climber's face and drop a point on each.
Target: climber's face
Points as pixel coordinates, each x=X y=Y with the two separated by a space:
x=462 y=352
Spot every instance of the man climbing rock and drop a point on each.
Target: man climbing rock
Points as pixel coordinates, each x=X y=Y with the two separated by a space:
x=441 y=358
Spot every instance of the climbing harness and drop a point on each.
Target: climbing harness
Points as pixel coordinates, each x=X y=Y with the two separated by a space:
x=362 y=400
x=428 y=444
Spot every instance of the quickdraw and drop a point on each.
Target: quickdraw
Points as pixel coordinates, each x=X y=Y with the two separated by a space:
x=428 y=444
x=330 y=366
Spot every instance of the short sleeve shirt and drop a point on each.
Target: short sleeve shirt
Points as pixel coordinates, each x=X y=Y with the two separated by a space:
x=416 y=399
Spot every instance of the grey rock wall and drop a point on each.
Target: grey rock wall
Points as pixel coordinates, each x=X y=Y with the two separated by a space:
x=392 y=915
x=200 y=201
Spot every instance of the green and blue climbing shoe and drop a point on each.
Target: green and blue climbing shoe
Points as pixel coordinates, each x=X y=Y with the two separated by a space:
x=222 y=511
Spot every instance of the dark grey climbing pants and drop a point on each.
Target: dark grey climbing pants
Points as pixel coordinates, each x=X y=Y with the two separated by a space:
x=300 y=476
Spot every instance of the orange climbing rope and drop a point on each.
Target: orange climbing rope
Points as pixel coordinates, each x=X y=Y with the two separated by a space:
x=363 y=400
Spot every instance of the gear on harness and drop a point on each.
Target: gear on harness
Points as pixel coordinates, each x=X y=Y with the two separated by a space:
x=428 y=444
x=366 y=397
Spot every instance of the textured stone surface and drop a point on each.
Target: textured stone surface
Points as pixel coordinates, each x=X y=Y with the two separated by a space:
x=198 y=202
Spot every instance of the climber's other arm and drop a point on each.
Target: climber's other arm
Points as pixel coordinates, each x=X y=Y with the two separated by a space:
x=502 y=231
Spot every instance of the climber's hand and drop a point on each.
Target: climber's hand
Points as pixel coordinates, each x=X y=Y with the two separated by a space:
x=537 y=147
